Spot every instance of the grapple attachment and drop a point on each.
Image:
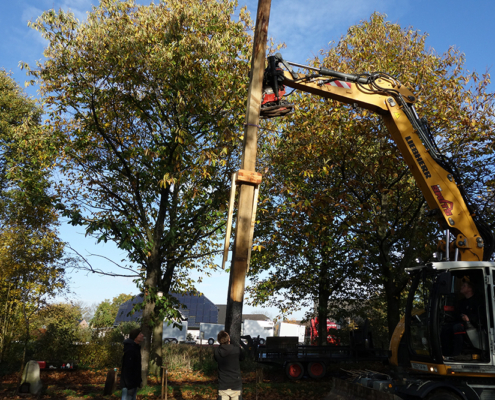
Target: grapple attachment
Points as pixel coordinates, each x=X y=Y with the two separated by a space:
x=273 y=104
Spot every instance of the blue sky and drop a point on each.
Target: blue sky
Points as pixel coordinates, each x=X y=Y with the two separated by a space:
x=306 y=27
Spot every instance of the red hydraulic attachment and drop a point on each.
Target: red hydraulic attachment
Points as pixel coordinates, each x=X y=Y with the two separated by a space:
x=331 y=339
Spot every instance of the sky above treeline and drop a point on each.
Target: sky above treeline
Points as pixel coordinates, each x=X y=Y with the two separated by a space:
x=306 y=27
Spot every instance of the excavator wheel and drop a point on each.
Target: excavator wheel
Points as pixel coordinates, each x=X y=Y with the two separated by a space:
x=442 y=395
x=316 y=370
x=294 y=370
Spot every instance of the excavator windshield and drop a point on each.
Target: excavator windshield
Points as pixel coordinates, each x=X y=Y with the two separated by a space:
x=447 y=315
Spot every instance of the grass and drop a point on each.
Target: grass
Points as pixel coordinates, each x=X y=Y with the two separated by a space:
x=69 y=392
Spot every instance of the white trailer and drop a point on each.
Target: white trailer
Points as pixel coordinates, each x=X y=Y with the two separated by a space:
x=209 y=332
x=286 y=329
x=173 y=334
x=253 y=328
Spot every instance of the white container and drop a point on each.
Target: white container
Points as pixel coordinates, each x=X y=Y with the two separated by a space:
x=286 y=329
x=208 y=332
x=173 y=334
x=253 y=328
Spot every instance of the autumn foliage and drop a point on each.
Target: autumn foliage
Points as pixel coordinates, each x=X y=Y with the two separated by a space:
x=31 y=253
x=143 y=104
x=341 y=216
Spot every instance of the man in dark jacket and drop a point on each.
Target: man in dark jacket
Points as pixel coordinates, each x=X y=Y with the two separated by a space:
x=229 y=370
x=130 y=377
x=467 y=315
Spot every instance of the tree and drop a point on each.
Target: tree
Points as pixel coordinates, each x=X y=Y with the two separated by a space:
x=144 y=107
x=59 y=331
x=303 y=237
x=106 y=312
x=87 y=309
x=346 y=156
x=31 y=254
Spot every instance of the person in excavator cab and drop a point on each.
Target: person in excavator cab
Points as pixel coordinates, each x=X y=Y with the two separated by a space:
x=466 y=316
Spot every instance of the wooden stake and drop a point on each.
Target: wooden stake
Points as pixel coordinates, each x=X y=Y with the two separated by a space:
x=229 y=222
x=163 y=380
x=253 y=222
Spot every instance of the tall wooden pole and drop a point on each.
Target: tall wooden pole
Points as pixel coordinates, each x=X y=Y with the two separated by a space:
x=247 y=178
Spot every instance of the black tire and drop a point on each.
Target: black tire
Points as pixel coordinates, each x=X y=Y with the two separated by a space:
x=166 y=341
x=211 y=341
x=317 y=370
x=262 y=341
x=294 y=370
x=174 y=341
x=443 y=395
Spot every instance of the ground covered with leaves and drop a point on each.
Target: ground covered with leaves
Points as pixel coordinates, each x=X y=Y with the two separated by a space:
x=192 y=375
x=182 y=385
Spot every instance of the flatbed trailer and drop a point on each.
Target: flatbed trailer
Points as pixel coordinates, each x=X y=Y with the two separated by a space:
x=300 y=359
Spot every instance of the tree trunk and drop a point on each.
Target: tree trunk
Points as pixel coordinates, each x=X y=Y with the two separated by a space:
x=23 y=361
x=323 y=295
x=393 y=300
x=4 y=326
x=156 y=350
x=148 y=321
x=392 y=292
x=393 y=308
x=146 y=345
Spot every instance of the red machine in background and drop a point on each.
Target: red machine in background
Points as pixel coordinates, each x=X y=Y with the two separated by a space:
x=313 y=333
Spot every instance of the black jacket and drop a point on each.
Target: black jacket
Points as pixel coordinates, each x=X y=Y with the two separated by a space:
x=130 y=376
x=229 y=371
x=471 y=308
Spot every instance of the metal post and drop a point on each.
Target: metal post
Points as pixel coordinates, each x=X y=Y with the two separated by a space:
x=243 y=235
x=447 y=245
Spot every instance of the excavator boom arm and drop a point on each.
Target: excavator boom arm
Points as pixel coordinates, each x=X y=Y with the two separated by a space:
x=394 y=103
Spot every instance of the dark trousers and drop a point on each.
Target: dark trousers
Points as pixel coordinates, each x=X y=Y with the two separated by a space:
x=452 y=339
x=129 y=394
x=459 y=331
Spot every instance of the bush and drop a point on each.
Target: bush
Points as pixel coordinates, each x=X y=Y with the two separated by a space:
x=100 y=353
x=105 y=348
x=182 y=356
x=11 y=361
x=59 y=332
x=197 y=358
x=57 y=343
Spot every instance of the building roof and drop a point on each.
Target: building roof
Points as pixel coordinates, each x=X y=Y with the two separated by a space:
x=255 y=317
x=222 y=313
x=196 y=309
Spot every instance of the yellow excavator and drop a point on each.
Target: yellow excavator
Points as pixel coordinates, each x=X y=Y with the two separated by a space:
x=436 y=352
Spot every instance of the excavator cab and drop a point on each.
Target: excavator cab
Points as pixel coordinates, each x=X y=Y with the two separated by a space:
x=448 y=323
